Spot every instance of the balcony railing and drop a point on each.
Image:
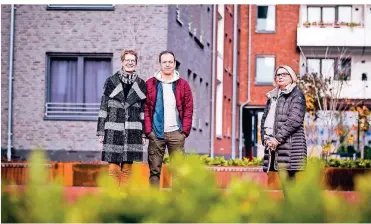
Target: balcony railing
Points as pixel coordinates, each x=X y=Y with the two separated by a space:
x=88 y=111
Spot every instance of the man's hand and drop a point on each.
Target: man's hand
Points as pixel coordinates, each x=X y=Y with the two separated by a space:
x=101 y=138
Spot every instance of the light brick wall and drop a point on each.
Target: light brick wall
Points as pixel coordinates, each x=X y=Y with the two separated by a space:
x=5 y=35
x=38 y=30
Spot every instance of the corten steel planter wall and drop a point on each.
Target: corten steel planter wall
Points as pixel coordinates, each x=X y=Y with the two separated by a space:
x=224 y=175
x=86 y=175
x=333 y=178
x=342 y=178
x=74 y=173
x=17 y=172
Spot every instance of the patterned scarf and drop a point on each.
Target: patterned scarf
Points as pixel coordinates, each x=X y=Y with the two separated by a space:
x=127 y=78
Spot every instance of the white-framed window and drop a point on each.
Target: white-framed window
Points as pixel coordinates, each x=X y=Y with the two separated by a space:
x=266 y=18
x=265 y=65
x=344 y=14
x=338 y=69
x=219 y=74
x=329 y=14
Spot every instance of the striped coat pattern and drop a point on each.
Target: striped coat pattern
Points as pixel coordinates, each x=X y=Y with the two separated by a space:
x=120 y=121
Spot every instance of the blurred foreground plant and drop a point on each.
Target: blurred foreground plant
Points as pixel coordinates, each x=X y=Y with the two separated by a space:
x=194 y=197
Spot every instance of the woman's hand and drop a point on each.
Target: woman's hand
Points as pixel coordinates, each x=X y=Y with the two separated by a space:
x=101 y=138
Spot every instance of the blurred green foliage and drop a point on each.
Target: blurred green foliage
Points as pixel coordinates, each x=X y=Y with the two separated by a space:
x=194 y=197
x=221 y=161
x=348 y=163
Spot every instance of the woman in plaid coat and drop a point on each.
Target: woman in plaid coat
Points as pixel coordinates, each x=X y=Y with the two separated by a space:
x=121 y=115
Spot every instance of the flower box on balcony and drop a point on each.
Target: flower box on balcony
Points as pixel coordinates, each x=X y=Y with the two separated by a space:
x=306 y=24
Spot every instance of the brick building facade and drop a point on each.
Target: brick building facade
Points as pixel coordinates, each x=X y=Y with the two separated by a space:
x=45 y=35
x=273 y=36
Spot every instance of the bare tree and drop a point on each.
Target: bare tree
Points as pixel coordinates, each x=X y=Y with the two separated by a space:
x=325 y=99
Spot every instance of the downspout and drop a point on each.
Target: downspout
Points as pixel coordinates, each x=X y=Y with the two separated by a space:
x=10 y=85
x=213 y=85
x=234 y=81
x=248 y=85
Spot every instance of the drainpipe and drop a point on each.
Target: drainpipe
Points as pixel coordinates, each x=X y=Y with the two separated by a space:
x=248 y=85
x=213 y=85
x=10 y=85
x=234 y=85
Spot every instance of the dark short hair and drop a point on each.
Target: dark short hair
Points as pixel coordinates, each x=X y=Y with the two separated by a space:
x=165 y=52
x=125 y=52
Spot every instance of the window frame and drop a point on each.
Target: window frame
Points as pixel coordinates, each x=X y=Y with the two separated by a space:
x=275 y=20
x=80 y=69
x=81 y=7
x=257 y=83
x=335 y=68
x=330 y=6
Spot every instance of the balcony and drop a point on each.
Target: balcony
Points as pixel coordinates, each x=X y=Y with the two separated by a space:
x=328 y=36
x=354 y=89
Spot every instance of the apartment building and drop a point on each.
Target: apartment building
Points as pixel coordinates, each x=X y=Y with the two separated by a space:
x=335 y=43
x=63 y=53
x=266 y=39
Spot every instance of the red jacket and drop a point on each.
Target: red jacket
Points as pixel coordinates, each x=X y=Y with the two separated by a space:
x=184 y=104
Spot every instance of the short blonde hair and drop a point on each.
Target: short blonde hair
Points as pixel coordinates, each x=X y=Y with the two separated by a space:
x=132 y=52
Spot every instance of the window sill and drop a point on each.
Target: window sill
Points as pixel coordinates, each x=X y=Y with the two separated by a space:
x=80 y=7
x=263 y=83
x=265 y=31
x=70 y=119
x=220 y=137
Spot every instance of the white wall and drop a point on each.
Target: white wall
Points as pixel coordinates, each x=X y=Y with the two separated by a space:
x=358 y=67
x=357 y=15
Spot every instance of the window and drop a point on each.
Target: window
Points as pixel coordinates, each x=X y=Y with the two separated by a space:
x=75 y=84
x=345 y=14
x=90 y=7
x=343 y=69
x=266 y=18
x=338 y=69
x=219 y=74
x=329 y=14
x=195 y=101
x=265 y=70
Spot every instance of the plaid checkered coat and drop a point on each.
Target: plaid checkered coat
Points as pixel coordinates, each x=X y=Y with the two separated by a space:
x=120 y=121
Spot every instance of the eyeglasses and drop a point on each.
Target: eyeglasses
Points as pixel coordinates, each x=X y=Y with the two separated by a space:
x=282 y=74
x=130 y=60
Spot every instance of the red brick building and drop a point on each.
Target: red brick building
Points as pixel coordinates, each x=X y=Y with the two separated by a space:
x=266 y=39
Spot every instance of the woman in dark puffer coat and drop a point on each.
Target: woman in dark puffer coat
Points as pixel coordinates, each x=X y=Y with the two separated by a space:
x=282 y=125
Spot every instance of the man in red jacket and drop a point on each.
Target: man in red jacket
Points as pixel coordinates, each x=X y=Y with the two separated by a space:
x=167 y=114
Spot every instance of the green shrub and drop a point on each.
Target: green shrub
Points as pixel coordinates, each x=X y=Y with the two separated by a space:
x=221 y=161
x=194 y=197
x=367 y=152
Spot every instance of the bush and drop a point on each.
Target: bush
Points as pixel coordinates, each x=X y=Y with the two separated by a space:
x=221 y=161
x=193 y=198
x=367 y=152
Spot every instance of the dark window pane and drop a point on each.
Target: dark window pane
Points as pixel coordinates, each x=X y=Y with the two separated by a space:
x=262 y=12
x=96 y=73
x=344 y=69
x=63 y=80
